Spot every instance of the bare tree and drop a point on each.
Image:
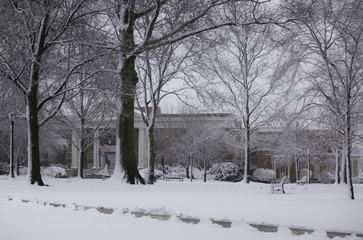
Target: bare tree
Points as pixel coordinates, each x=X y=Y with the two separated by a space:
x=35 y=36
x=156 y=70
x=191 y=135
x=89 y=111
x=210 y=148
x=11 y=101
x=331 y=33
x=245 y=72
x=167 y=22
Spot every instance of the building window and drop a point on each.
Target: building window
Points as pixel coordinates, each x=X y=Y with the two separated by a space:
x=253 y=163
x=303 y=164
x=69 y=157
x=355 y=170
x=90 y=158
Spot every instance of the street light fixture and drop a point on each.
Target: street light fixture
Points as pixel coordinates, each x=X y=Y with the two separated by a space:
x=12 y=117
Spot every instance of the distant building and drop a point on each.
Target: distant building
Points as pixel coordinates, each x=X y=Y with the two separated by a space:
x=269 y=152
x=271 y=157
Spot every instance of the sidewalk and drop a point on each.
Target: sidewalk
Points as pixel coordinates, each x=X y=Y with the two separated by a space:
x=225 y=223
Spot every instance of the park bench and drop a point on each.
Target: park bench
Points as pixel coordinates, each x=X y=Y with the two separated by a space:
x=278 y=187
x=302 y=180
x=174 y=177
x=103 y=174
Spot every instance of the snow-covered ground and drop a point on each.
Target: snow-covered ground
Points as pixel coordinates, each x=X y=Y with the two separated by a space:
x=318 y=207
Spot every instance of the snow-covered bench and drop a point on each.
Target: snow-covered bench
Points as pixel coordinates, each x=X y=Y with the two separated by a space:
x=174 y=177
x=302 y=180
x=103 y=174
x=278 y=187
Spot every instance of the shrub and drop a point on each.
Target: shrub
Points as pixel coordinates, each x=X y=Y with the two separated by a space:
x=176 y=170
x=180 y=171
x=305 y=171
x=265 y=174
x=4 y=168
x=225 y=171
x=326 y=177
x=54 y=172
x=23 y=170
x=157 y=173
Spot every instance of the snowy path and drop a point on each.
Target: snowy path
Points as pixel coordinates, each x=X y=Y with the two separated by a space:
x=60 y=224
x=261 y=227
x=322 y=208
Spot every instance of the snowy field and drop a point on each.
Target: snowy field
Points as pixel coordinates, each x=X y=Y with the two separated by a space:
x=32 y=211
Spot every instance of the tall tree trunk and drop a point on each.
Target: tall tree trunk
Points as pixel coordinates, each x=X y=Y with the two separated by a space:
x=349 y=174
x=337 y=179
x=82 y=133
x=247 y=156
x=343 y=171
x=309 y=168
x=33 y=139
x=11 y=174
x=151 y=154
x=205 y=173
x=349 y=145
x=81 y=163
x=187 y=170
x=247 y=126
x=32 y=107
x=297 y=167
x=126 y=122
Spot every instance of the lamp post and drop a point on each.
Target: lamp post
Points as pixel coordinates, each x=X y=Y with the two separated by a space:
x=12 y=119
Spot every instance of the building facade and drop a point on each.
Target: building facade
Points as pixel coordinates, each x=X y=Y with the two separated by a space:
x=269 y=153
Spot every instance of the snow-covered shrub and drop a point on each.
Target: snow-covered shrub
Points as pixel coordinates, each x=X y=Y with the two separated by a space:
x=197 y=173
x=4 y=168
x=23 y=170
x=265 y=174
x=225 y=171
x=305 y=171
x=157 y=173
x=180 y=171
x=176 y=170
x=326 y=177
x=54 y=172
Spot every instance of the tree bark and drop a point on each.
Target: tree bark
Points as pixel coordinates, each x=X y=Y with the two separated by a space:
x=81 y=162
x=126 y=122
x=205 y=175
x=349 y=175
x=297 y=172
x=187 y=170
x=32 y=106
x=151 y=155
x=247 y=154
x=33 y=138
x=337 y=178
x=343 y=178
x=349 y=144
